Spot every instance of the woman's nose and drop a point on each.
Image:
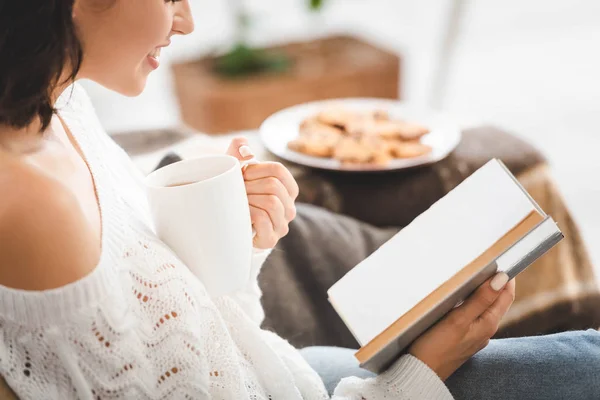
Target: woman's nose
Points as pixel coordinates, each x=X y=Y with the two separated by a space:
x=183 y=22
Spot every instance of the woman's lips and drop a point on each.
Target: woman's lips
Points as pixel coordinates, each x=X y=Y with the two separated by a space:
x=154 y=62
x=154 y=58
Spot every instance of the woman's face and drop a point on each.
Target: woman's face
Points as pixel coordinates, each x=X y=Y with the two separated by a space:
x=122 y=39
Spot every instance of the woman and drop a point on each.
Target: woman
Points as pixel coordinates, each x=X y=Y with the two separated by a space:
x=93 y=305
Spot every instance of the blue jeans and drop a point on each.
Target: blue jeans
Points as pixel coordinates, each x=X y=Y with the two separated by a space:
x=554 y=367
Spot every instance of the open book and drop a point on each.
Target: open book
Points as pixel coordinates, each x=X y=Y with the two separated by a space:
x=488 y=223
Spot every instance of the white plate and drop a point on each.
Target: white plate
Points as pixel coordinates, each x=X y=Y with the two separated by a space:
x=282 y=127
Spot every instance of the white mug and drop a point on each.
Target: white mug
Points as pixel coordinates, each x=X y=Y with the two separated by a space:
x=200 y=210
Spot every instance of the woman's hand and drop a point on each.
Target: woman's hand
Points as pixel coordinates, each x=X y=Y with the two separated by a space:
x=271 y=190
x=467 y=329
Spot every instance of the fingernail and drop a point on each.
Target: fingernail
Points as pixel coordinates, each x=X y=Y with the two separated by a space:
x=246 y=151
x=246 y=164
x=499 y=281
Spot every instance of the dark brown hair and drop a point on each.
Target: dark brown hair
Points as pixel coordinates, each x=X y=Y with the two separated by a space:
x=39 y=49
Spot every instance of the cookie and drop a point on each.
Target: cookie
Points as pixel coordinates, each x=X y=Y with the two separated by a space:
x=364 y=151
x=314 y=126
x=357 y=127
x=395 y=130
x=336 y=117
x=316 y=141
x=310 y=147
x=350 y=150
x=359 y=137
x=411 y=131
x=408 y=149
x=380 y=115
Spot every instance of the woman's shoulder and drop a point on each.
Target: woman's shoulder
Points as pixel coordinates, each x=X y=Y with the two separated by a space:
x=45 y=241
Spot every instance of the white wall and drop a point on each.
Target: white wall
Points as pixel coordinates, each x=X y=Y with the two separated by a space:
x=533 y=67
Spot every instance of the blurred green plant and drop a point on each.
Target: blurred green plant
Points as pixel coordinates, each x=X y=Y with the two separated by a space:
x=243 y=60
x=316 y=5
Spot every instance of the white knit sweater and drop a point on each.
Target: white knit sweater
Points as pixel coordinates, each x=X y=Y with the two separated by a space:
x=141 y=326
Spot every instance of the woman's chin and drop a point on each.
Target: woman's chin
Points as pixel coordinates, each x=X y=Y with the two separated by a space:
x=133 y=87
x=138 y=90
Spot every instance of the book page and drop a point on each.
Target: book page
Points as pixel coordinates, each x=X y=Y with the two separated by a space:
x=527 y=245
x=429 y=251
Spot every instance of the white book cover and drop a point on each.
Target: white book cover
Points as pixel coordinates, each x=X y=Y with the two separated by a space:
x=434 y=247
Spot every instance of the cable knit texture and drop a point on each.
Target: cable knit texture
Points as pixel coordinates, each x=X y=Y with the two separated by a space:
x=142 y=326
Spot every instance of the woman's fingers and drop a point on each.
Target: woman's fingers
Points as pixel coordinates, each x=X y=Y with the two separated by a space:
x=273 y=186
x=274 y=208
x=265 y=234
x=489 y=321
x=275 y=170
x=239 y=149
x=467 y=329
x=480 y=301
x=271 y=191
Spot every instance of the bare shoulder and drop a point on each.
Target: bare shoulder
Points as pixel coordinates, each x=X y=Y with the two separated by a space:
x=45 y=241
